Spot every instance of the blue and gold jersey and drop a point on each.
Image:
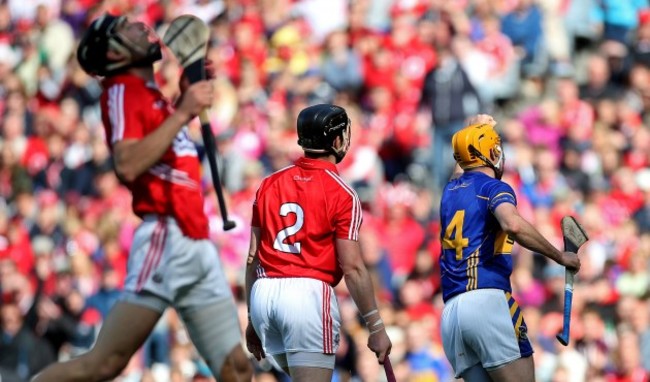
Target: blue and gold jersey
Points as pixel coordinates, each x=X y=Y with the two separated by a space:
x=476 y=252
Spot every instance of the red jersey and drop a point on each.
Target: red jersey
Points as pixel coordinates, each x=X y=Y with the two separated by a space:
x=301 y=210
x=133 y=108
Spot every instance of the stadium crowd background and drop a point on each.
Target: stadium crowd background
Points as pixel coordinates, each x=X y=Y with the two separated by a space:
x=568 y=81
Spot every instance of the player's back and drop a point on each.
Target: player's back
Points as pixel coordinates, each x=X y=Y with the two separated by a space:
x=301 y=211
x=476 y=251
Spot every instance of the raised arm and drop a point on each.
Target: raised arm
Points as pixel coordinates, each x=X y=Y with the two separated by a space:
x=135 y=156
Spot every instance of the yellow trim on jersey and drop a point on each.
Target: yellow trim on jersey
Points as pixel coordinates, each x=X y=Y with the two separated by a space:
x=482 y=197
x=501 y=193
x=472 y=271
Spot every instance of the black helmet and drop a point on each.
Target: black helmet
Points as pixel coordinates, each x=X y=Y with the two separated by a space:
x=318 y=127
x=102 y=35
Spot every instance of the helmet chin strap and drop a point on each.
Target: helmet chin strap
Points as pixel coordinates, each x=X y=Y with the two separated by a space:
x=140 y=57
x=345 y=145
x=498 y=168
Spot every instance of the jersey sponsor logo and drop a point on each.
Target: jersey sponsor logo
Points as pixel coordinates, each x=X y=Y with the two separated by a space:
x=299 y=178
x=462 y=185
x=183 y=145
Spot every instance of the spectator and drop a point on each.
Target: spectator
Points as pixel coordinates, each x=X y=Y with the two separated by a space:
x=451 y=98
x=523 y=26
x=570 y=89
x=22 y=354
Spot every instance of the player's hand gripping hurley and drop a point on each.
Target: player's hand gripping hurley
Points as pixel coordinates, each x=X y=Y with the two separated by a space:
x=574 y=238
x=388 y=368
x=187 y=37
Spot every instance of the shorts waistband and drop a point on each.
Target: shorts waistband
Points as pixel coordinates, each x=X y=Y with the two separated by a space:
x=154 y=218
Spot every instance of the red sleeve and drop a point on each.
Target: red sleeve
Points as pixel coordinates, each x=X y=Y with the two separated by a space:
x=349 y=215
x=123 y=108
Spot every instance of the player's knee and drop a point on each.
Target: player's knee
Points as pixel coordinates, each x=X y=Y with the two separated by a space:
x=236 y=367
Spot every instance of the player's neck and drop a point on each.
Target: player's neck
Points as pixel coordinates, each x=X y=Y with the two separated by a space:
x=144 y=73
x=485 y=170
x=325 y=157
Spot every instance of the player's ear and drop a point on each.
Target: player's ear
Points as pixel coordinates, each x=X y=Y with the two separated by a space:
x=114 y=55
x=338 y=142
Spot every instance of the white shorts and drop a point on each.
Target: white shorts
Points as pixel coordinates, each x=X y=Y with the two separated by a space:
x=172 y=268
x=296 y=315
x=483 y=326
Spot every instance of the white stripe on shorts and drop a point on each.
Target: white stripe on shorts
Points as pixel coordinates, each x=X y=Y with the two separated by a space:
x=156 y=249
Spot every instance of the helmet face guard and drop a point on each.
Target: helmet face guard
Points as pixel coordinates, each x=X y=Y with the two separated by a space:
x=103 y=35
x=499 y=156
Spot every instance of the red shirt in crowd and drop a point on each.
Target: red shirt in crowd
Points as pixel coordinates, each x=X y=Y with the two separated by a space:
x=301 y=211
x=132 y=109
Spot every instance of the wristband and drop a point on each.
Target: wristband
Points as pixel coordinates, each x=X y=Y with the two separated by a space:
x=377 y=330
x=374 y=311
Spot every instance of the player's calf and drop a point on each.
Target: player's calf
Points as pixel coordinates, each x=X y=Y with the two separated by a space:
x=110 y=367
x=89 y=367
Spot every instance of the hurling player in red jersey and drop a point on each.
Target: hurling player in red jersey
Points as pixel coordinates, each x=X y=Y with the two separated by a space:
x=171 y=262
x=304 y=239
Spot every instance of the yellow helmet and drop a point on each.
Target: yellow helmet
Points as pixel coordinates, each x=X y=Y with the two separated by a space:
x=476 y=146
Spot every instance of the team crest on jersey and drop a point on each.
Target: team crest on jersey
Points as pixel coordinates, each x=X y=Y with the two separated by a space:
x=523 y=333
x=183 y=145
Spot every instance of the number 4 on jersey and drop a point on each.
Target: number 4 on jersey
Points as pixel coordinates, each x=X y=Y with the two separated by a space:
x=279 y=244
x=455 y=227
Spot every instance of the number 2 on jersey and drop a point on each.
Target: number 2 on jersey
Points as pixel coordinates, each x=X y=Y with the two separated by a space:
x=455 y=227
x=279 y=244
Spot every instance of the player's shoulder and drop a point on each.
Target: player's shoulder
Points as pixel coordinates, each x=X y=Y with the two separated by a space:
x=337 y=185
x=496 y=187
x=276 y=176
x=126 y=86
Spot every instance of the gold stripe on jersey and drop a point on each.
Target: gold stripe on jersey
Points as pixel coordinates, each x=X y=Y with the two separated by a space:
x=472 y=271
x=482 y=197
x=501 y=193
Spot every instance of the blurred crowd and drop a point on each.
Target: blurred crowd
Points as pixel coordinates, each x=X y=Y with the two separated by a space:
x=567 y=80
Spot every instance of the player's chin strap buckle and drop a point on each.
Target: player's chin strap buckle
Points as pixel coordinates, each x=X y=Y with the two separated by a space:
x=474 y=151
